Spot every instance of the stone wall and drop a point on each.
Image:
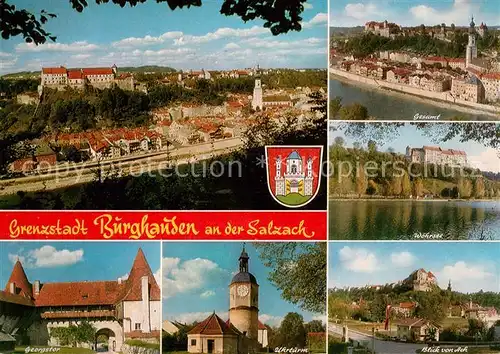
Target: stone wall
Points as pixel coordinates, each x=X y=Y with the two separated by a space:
x=442 y=96
x=128 y=349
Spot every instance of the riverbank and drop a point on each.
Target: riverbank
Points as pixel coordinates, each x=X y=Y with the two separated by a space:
x=440 y=100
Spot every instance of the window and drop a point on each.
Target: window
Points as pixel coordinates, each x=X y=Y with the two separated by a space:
x=193 y=341
x=137 y=326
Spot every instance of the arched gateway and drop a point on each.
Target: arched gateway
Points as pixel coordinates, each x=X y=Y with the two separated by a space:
x=118 y=310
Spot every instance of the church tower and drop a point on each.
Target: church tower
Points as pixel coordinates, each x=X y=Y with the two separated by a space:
x=244 y=300
x=471 y=52
x=257 y=93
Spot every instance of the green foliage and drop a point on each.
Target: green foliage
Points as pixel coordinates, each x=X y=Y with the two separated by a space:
x=370 y=43
x=353 y=111
x=142 y=344
x=11 y=88
x=177 y=341
x=298 y=271
x=292 y=332
x=72 y=335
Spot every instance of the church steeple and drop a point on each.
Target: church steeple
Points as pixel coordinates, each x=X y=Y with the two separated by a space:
x=244 y=260
x=449 y=285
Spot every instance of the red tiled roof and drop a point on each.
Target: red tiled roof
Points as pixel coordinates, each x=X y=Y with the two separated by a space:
x=140 y=268
x=78 y=314
x=75 y=74
x=456 y=60
x=261 y=325
x=5 y=296
x=20 y=280
x=493 y=76
x=214 y=325
x=60 y=70
x=435 y=148
x=430 y=274
x=79 y=293
x=407 y=305
x=97 y=71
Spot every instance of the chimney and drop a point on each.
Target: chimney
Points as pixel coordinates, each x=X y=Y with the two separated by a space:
x=146 y=323
x=36 y=288
x=12 y=288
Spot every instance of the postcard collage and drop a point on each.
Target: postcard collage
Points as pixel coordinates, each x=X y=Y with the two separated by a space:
x=250 y=176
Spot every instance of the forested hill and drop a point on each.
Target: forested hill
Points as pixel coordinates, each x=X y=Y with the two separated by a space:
x=391 y=175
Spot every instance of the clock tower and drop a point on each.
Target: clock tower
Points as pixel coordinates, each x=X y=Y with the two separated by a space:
x=244 y=300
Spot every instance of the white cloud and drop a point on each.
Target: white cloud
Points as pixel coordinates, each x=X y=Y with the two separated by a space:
x=207 y=293
x=319 y=19
x=81 y=56
x=48 y=257
x=81 y=46
x=270 y=320
x=487 y=160
x=271 y=43
x=467 y=277
x=189 y=276
x=232 y=45
x=361 y=11
x=460 y=12
x=358 y=260
x=132 y=42
x=220 y=33
x=308 y=6
x=403 y=259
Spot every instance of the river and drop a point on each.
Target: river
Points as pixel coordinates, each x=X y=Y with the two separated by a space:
x=384 y=105
x=414 y=220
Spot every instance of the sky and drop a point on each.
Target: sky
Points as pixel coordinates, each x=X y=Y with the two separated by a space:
x=152 y=34
x=478 y=156
x=196 y=277
x=75 y=261
x=470 y=266
x=350 y=13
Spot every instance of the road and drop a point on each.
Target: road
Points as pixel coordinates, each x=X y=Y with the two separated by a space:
x=381 y=347
x=66 y=175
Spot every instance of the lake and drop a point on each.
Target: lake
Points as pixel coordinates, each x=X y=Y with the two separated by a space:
x=385 y=106
x=413 y=220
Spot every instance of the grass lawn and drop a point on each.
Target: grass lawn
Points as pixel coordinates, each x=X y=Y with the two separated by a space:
x=462 y=322
x=293 y=199
x=63 y=350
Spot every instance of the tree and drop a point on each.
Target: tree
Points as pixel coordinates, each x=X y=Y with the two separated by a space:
x=479 y=189
x=315 y=326
x=405 y=185
x=353 y=111
x=418 y=187
x=298 y=271
x=361 y=181
x=338 y=308
x=292 y=331
x=85 y=333
x=335 y=106
x=279 y=16
x=339 y=141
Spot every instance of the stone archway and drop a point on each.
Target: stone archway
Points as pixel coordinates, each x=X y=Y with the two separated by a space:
x=105 y=341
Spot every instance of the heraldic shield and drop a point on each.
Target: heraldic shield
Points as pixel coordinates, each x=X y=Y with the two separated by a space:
x=293 y=173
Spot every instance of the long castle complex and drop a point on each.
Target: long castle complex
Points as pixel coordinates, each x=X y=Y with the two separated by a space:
x=118 y=309
x=436 y=155
x=61 y=77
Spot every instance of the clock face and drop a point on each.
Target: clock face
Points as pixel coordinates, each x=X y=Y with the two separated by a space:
x=242 y=290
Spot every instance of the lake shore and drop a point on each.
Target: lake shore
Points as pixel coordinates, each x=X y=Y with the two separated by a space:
x=413 y=97
x=337 y=199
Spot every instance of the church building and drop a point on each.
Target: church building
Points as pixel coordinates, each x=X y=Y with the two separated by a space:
x=117 y=309
x=241 y=333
